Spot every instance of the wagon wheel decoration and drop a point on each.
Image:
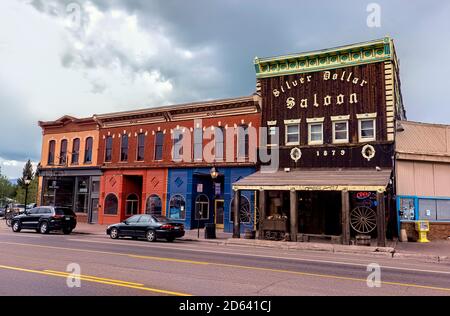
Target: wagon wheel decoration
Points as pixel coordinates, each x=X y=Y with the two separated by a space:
x=363 y=219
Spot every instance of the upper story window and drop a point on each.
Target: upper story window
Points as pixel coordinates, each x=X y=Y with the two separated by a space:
x=141 y=147
x=177 y=145
x=340 y=129
x=198 y=144
x=243 y=142
x=159 y=143
x=367 y=127
x=315 y=131
x=108 y=148
x=63 y=152
x=51 y=152
x=88 y=150
x=272 y=134
x=75 y=151
x=219 y=143
x=292 y=132
x=124 y=148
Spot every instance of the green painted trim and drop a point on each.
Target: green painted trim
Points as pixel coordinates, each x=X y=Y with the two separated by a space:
x=344 y=56
x=305 y=71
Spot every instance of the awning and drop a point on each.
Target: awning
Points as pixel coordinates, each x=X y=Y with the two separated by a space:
x=317 y=180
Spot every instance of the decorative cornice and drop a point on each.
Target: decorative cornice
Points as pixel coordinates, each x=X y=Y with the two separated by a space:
x=344 y=56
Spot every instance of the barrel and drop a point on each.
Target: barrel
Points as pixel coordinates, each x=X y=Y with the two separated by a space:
x=210 y=231
x=249 y=234
x=363 y=240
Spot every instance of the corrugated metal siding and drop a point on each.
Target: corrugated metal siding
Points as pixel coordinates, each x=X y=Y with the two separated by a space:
x=423 y=179
x=405 y=178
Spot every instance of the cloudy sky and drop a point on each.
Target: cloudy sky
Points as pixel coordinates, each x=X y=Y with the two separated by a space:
x=87 y=57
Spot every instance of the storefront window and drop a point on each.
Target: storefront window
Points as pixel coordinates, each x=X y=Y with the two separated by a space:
x=154 y=205
x=82 y=195
x=407 y=209
x=177 y=207
x=111 y=205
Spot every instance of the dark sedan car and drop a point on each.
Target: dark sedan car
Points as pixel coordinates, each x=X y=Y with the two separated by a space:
x=44 y=219
x=149 y=227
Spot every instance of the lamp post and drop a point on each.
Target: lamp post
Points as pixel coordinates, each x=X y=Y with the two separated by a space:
x=214 y=175
x=27 y=184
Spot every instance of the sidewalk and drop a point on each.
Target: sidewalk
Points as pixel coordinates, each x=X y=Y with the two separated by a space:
x=436 y=251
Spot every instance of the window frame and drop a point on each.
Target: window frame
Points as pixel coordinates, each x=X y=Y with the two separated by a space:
x=147 y=209
x=88 y=150
x=51 y=152
x=140 y=146
x=117 y=205
x=374 y=125
x=286 y=137
x=315 y=142
x=243 y=128
x=134 y=202
x=63 y=152
x=124 y=150
x=198 y=144
x=76 y=151
x=159 y=147
x=181 y=211
x=340 y=141
x=219 y=144
x=108 y=149
x=202 y=203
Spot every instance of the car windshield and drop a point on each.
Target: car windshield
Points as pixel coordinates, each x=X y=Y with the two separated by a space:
x=63 y=211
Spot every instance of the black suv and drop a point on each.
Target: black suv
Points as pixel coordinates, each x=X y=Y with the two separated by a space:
x=44 y=219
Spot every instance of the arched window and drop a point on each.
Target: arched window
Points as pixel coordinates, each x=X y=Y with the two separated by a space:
x=51 y=152
x=154 y=205
x=124 y=148
x=63 y=152
x=201 y=207
x=75 y=151
x=88 y=150
x=177 y=207
x=245 y=213
x=111 y=205
x=132 y=204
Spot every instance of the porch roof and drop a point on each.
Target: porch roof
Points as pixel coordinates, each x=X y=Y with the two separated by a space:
x=317 y=180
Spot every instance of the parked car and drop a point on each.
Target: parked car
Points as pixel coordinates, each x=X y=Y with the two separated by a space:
x=150 y=227
x=45 y=219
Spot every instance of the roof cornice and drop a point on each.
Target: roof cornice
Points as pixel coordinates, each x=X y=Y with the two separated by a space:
x=344 y=56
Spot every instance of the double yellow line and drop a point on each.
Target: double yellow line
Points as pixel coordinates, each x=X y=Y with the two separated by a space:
x=94 y=279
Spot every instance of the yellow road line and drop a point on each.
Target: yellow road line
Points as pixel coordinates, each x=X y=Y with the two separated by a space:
x=96 y=280
x=66 y=274
x=238 y=267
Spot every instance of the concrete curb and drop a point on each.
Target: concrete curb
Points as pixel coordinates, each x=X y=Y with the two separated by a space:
x=427 y=258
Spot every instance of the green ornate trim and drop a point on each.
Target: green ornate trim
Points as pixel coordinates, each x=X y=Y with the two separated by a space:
x=345 y=56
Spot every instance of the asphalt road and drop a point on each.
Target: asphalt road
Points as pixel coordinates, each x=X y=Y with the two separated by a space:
x=34 y=264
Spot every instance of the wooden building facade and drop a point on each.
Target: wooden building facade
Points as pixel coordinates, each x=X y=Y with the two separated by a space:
x=331 y=115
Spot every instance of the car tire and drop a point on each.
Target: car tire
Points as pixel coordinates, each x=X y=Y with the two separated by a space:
x=170 y=239
x=16 y=227
x=67 y=231
x=43 y=228
x=114 y=233
x=150 y=235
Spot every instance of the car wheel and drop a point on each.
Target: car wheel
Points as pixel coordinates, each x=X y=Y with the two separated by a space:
x=16 y=227
x=43 y=228
x=150 y=235
x=114 y=233
x=170 y=239
x=67 y=231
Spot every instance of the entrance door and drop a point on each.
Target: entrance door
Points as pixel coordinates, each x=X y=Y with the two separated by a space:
x=94 y=211
x=219 y=210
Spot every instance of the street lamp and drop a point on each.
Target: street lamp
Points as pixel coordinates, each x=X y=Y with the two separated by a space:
x=27 y=184
x=214 y=173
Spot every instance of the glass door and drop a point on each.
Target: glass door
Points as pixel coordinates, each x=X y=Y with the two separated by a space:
x=219 y=210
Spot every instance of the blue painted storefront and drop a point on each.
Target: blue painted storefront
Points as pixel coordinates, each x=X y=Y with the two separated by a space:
x=184 y=183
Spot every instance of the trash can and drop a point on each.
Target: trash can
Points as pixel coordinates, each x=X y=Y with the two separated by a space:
x=210 y=231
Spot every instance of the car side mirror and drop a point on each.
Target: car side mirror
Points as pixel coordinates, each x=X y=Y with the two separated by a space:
x=125 y=222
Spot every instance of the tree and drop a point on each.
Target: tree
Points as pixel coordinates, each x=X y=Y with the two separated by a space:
x=7 y=189
x=27 y=173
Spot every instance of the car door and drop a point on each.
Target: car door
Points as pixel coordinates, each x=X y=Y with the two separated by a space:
x=31 y=219
x=142 y=225
x=129 y=226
